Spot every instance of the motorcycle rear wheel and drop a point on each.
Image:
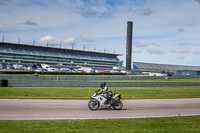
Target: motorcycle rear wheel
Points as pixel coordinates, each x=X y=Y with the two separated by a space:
x=93 y=104
x=117 y=105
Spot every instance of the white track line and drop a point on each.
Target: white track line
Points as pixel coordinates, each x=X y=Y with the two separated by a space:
x=97 y=117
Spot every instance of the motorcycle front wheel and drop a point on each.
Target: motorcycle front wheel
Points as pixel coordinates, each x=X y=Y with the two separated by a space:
x=117 y=105
x=93 y=104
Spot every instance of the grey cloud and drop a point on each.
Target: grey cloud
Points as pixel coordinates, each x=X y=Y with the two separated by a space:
x=3 y=2
x=146 y=12
x=197 y=53
x=136 y=51
x=108 y=50
x=106 y=14
x=156 y=52
x=198 y=1
x=181 y=51
x=89 y=13
x=184 y=44
x=87 y=39
x=30 y=23
x=130 y=9
x=181 y=57
x=145 y=44
x=187 y=44
x=180 y=29
x=21 y=4
x=92 y=13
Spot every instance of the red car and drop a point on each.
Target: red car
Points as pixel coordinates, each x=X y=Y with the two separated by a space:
x=102 y=71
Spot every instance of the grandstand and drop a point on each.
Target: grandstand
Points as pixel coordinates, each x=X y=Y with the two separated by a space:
x=12 y=53
x=152 y=67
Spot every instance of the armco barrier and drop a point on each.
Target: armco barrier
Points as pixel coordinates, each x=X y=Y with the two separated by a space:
x=35 y=83
x=89 y=78
x=65 y=78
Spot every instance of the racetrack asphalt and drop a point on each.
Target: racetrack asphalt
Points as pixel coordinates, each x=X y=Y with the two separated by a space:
x=48 y=109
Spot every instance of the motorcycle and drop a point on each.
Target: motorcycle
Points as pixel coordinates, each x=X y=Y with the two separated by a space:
x=99 y=100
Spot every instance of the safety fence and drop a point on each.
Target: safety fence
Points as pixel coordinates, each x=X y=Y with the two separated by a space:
x=39 y=83
x=93 y=78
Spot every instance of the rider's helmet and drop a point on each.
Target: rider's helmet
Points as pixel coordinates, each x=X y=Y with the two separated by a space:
x=102 y=84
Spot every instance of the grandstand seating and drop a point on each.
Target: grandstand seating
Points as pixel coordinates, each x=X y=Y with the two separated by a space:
x=75 y=55
x=30 y=51
x=57 y=54
x=41 y=52
x=17 y=50
x=84 y=56
x=93 y=57
x=63 y=54
x=54 y=55
x=5 y=49
x=112 y=58
x=101 y=57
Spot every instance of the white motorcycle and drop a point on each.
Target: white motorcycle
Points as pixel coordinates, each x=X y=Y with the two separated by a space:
x=98 y=100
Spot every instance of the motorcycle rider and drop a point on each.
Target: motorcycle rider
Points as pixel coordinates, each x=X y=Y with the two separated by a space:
x=106 y=92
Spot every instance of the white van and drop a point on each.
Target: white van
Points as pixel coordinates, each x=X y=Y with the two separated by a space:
x=20 y=67
x=45 y=66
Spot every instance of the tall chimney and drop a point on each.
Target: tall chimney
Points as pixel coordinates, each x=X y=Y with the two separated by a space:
x=129 y=45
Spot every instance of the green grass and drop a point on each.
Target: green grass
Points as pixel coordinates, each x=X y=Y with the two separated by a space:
x=189 y=124
x=84 y=93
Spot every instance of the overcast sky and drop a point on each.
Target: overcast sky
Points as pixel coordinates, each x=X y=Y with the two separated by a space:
x=164 y=31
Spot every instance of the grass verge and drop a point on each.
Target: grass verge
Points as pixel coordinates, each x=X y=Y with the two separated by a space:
x=84 y=93
x=189 y=124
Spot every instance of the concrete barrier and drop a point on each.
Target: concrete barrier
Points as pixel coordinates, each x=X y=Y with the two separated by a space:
x=66 y=78
x=31 y=83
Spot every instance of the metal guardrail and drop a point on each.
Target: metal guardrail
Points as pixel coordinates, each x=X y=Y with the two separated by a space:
x=184 y=76
x=92 y=81
x=88 y=78
x=31 y=83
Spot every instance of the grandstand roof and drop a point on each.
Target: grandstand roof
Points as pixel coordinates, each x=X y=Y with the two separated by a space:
x=162 y=67
x=56 y=48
